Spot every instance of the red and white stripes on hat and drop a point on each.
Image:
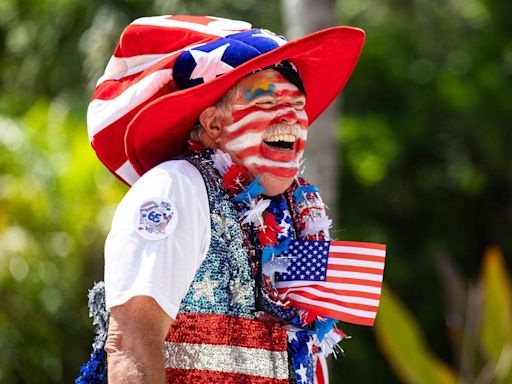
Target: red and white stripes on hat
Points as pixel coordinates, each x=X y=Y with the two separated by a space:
x=141 y=71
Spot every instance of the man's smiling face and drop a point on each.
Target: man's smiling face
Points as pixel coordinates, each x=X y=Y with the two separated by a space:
x=265 y=129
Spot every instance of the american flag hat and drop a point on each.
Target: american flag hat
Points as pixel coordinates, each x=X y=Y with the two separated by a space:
x=166 y=70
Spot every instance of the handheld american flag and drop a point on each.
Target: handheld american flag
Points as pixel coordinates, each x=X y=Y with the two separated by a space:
x=337 y=279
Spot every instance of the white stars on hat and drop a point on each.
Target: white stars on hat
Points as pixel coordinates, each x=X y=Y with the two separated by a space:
x=270 y=35
x=209 y=64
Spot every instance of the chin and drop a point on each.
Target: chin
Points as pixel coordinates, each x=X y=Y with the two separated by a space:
x=274 y=185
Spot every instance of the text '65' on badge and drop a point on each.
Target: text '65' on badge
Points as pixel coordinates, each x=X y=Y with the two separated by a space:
x=156 y=219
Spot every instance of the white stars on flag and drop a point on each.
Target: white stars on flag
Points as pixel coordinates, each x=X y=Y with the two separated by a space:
x=306 y=261
x=272 y=36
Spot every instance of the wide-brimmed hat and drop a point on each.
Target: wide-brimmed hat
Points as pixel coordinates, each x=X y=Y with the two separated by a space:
x=166 y=70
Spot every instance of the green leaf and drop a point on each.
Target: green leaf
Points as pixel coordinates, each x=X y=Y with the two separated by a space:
x=496 y=336
x=404 y=346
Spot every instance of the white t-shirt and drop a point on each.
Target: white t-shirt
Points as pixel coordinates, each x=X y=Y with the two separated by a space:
x=160 y=236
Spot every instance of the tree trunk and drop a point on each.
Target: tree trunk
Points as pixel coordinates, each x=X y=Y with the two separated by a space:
x=302 y=17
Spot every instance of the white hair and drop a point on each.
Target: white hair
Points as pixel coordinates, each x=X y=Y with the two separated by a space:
x=223 y=107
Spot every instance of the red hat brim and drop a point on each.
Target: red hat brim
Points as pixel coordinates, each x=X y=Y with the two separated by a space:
x=325 y=60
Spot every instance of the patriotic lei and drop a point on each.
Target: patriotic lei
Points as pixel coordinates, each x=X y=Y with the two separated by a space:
x=268 y=228
x=94 y=371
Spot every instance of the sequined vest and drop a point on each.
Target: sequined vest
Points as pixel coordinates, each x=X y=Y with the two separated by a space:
x=216 y=337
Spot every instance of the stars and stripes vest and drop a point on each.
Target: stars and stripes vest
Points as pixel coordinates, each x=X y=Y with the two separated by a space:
x=216 y=338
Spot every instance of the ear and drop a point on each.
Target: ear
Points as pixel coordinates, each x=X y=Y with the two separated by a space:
x=209 y=119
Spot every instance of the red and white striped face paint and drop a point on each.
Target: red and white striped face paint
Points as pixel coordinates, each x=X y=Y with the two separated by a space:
x=266 y=130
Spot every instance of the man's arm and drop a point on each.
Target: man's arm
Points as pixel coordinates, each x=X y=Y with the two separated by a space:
x=134 y=345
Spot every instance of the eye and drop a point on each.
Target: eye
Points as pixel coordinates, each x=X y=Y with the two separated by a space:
x=299 y=104
x=265 y=103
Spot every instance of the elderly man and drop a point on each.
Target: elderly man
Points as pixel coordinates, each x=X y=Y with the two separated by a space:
x=207 y=120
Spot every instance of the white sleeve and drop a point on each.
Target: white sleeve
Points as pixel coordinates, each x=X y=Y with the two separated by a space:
x=160 y=236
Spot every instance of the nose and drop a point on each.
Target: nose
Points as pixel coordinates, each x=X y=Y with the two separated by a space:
x=287 y=115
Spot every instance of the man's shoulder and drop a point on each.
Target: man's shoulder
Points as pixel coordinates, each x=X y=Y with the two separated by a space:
x=171 y=169
x=169 y=178
x=174 y=182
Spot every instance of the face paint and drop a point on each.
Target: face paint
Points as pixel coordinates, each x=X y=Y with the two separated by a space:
x=267 y=129
x=263 y=88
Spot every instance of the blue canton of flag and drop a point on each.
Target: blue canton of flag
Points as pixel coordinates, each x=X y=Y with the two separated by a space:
x=308 y=261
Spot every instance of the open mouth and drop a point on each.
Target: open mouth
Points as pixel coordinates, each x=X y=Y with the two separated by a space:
x=285 y=142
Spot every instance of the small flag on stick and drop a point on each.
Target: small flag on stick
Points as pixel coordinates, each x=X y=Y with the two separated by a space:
x=336 y=279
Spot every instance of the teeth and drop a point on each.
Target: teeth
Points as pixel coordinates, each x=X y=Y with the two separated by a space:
x=282 y=133
x=286 y=138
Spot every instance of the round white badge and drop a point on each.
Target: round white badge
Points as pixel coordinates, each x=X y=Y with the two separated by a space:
x=156 y=218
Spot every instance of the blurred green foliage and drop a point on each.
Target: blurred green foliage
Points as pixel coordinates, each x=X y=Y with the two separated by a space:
x=56 y=200
x=426 y=166
x=400 y=338
x=491 y=339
